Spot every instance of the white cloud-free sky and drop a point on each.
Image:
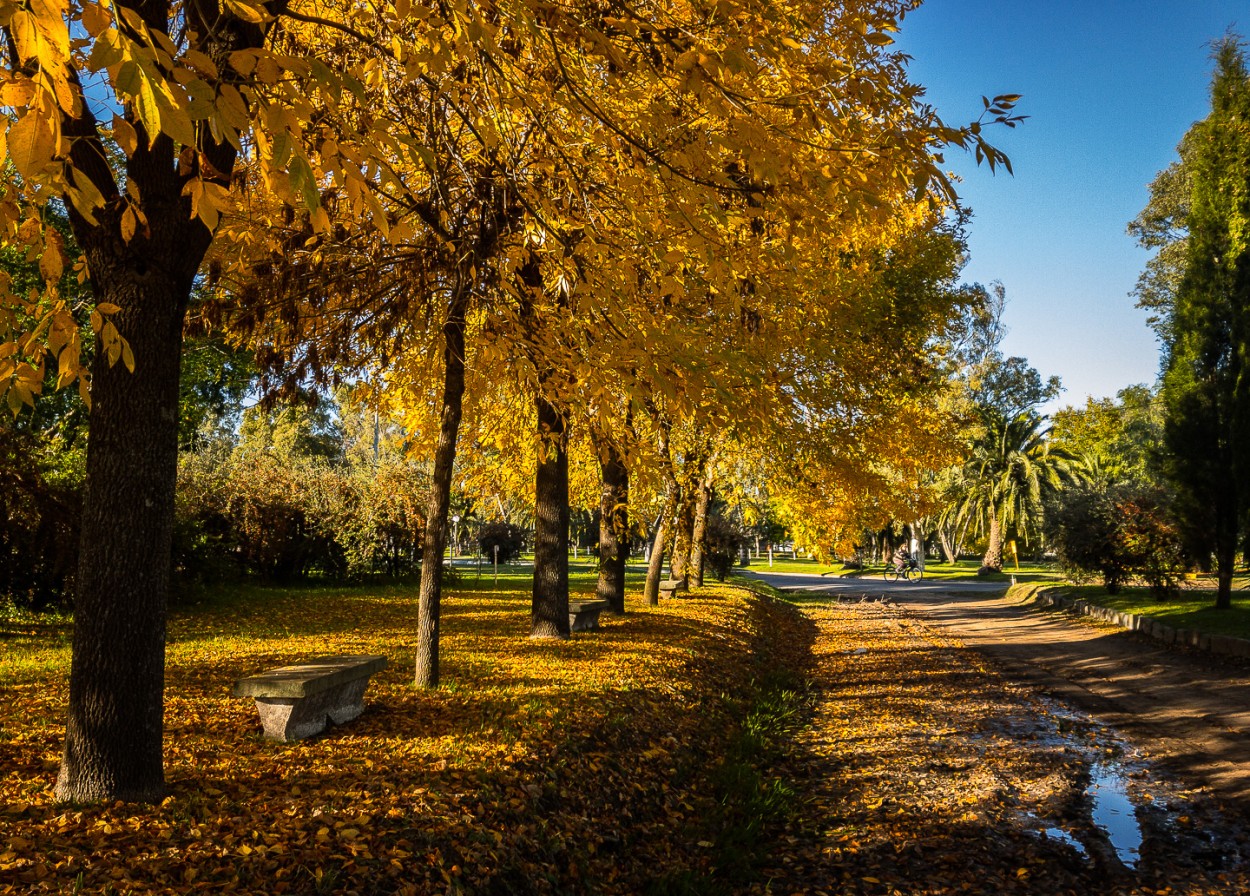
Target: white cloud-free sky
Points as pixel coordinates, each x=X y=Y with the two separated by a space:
x=1110 y=86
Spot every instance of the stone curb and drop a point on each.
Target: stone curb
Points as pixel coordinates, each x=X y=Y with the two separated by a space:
x=1218 y=645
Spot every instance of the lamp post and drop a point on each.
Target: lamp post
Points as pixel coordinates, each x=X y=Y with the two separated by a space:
x=455 y=535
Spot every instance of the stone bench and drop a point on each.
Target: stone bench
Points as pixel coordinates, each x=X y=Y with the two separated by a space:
x=584 y=614
x=670 y=587
x=299 y=701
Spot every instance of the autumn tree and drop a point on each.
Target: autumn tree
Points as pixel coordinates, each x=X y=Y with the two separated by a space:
x=145 y=189
x=614 y=518
x=194 y=85
x=129 y=183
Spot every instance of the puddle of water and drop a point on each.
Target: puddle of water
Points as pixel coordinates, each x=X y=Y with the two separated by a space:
x=1114 y=812
x=1064 y=837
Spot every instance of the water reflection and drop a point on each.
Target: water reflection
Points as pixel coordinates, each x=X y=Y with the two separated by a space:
x=1113 y=812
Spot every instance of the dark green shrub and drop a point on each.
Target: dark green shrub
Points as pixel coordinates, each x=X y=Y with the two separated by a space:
x=39 y=525
x=509 y=538
x=723 y=542
x=1117 y=533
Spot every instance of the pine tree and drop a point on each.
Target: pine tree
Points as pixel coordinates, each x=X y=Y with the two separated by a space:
x=1206 y=387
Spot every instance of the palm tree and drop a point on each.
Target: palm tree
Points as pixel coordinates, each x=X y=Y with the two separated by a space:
x=1009 y=471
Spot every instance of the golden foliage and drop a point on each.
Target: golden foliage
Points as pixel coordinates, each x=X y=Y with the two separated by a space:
x=542 y=767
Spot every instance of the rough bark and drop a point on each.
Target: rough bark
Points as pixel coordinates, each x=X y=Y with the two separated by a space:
x=114 y=732
x=550 y=606
x=430 y=595
x=613 y=526
x=683 y=534
x=672 y=493
x=993 y=558
x=655 y=567
x=698 y=539
x=1225 y=552
x=114 y=728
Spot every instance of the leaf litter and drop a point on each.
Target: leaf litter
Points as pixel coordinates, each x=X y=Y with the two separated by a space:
x=589 y=766
x=927 y=771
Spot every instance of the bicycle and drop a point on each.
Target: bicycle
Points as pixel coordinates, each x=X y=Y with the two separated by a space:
x=908 y=572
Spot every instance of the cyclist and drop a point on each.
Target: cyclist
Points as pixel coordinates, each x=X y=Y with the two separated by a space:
x=901 y=558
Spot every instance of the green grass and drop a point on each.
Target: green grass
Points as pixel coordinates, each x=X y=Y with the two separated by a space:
x=1193 y=609
x=964 y=569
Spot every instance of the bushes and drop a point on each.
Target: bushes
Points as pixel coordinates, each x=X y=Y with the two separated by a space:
x=722 y=546
x=285 y=518
x=510 y=540
x=39 y=522
x=1118 y=533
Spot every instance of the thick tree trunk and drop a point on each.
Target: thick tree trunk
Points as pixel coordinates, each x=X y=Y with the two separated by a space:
x=613 y=526
x=683 y=534
x=114 y=730
x=993 y=558
x=655 y=566
x=430 y=596
x=698 y=539
x=672 y=495
x=550 y=607
x=1226 y=530
x=114 y=733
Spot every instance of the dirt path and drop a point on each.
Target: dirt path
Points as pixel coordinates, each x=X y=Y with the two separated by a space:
x=1186 y=709
x=926 y=769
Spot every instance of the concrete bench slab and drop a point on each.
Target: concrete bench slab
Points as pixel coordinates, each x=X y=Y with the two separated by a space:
x=584 y=614
x=300 y=700
x=670 y=587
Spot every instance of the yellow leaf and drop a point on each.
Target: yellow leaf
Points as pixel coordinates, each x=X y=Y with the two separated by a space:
x=95 y=18
x=31 y=143
x=243 y=61
x=17 y=93
x=124 y=134
x=129 y=223
x=201 y=62
x=50 y=20
x=52 y=262
x=245 y=11
x=148 y=110
x=25 y=35
x=84 y=195
x=66 y=96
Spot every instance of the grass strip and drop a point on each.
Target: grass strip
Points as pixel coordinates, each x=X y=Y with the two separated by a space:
x=1192 y=608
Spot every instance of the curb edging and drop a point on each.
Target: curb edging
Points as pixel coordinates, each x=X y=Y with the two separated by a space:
x=1218 y=645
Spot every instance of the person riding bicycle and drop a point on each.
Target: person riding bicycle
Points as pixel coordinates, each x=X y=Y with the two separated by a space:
x=901 y=558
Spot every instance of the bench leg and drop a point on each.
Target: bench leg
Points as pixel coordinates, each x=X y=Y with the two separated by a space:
x=295 y=718
x=584 y=622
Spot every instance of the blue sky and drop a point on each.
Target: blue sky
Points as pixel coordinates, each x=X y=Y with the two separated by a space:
x=1110 y=86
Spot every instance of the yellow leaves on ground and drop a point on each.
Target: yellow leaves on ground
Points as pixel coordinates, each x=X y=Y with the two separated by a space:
x=579 y=766
x=926 y=772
